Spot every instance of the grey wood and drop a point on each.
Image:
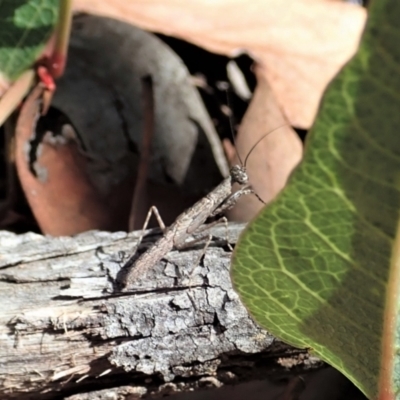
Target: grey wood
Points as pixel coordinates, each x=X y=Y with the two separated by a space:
x=67 y=331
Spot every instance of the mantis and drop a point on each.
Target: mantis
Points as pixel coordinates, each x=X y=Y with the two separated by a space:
x=191 y=220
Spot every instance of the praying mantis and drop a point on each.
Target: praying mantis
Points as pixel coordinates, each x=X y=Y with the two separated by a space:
x=191 y=221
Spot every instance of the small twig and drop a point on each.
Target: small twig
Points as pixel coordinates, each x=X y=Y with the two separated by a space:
x=10 y=100
x=62 y=34
x=144 y=160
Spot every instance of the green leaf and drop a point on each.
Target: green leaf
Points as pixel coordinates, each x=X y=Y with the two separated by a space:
x=25 y=27
x=317 y=266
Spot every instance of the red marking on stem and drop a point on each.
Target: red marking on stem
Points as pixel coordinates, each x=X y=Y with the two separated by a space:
x=46 y=77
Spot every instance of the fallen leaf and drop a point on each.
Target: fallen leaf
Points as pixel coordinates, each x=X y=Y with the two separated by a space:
x=62 y=198
x=38 y=190
x=302 y=43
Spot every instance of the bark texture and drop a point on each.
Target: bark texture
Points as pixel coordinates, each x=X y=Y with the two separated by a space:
x=67 y=331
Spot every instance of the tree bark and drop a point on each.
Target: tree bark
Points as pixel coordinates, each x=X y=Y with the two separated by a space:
x=67 y=331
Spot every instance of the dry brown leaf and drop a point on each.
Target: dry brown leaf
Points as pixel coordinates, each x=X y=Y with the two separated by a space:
x=302 y=43
x=64 y=201
x=273 y=159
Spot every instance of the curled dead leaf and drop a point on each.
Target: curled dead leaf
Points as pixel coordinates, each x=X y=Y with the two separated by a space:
x=57 y=187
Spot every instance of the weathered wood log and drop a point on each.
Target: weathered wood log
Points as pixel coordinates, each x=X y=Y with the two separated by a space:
x=67 y=331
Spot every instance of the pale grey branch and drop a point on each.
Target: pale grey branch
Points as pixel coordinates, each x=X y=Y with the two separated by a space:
x=66 y=331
